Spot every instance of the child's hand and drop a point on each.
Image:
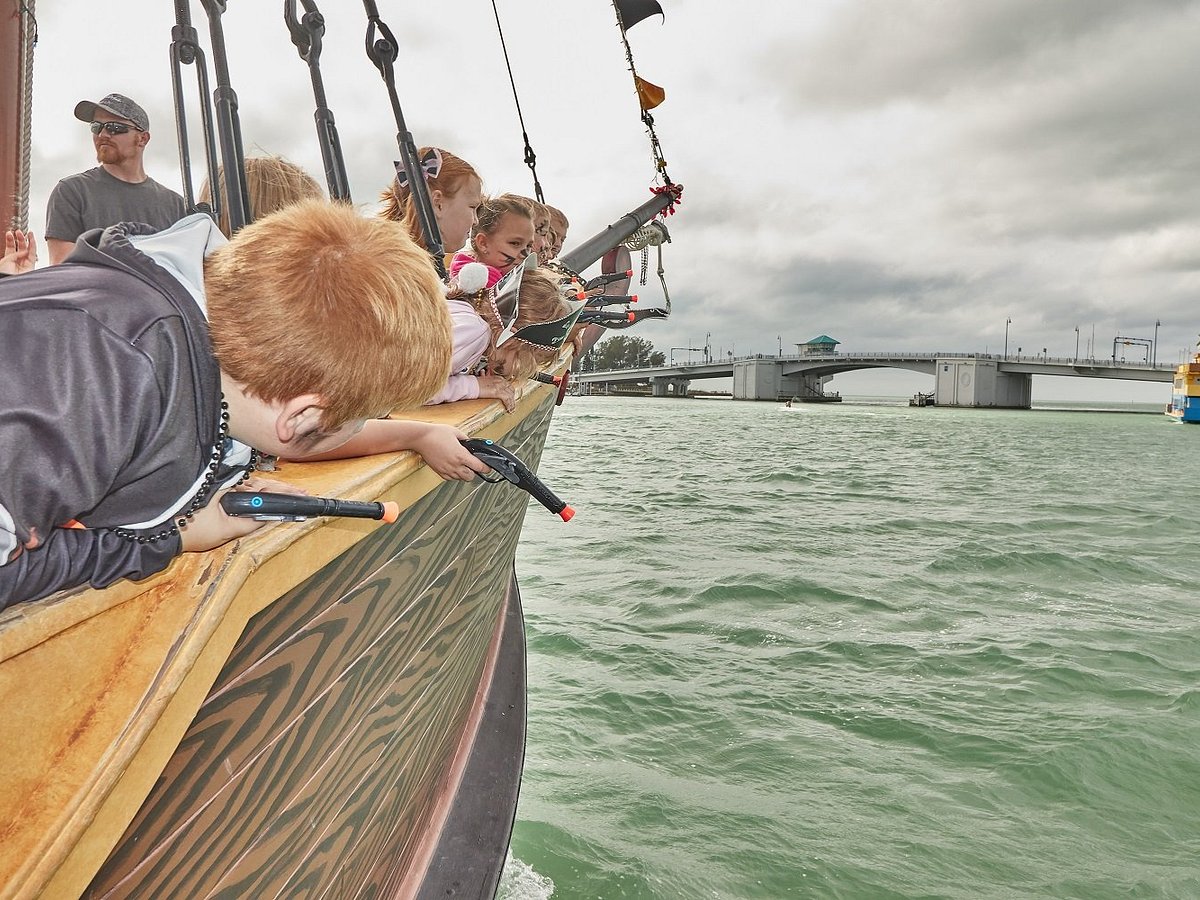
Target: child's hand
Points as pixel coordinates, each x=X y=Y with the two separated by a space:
x=211 y=526
x=498 y=388
x=20 y=252
x=440 y=448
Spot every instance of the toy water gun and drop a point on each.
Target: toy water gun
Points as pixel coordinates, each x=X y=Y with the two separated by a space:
x=610 y=300
x=563 y=381
x=605 y=280
x=509 y=468
x=268 y=507
x=608 y=319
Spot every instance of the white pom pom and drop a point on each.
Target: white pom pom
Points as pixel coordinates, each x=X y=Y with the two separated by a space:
x=472 y=277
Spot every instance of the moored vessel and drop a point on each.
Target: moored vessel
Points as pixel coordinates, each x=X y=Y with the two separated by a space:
x=1185 y=392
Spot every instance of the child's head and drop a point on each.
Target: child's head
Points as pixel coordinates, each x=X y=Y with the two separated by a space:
x=540 y=213
x=558 y=230
x=539 y=300
x=455 y=192
x=503 y=237
x=271 y=184
x=316 y=299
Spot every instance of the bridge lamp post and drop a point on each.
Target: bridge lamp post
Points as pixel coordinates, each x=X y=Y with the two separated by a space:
x=780 y=340
x=1076 y=343
x=1154 y=356
x=1007 y=322
x=1045 y=356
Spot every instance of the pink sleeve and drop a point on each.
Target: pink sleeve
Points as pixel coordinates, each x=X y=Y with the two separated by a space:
x=458 y=387
x=470 y=337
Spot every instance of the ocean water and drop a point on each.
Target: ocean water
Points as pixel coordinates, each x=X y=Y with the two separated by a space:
x=861 y=651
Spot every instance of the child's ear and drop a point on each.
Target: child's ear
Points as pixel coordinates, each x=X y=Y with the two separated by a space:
x=435 y=199
x=299 y=417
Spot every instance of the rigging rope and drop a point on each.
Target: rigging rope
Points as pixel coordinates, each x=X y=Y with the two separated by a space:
x=530 y=156
x=660 y=164
x=25 y=126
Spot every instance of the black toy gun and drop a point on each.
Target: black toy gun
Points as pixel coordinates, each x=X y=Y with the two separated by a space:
x=268 y=507
x=606 y=280
x=563 y=381
x=608 y=319
x=509 y=468
x=610 y=300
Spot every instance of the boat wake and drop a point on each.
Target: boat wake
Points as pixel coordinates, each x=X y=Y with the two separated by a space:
x=520 y=882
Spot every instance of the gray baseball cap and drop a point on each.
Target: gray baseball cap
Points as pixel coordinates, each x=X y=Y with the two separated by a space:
x=118 y=105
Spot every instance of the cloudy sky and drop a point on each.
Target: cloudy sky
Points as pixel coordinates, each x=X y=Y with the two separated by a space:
x=899 y=174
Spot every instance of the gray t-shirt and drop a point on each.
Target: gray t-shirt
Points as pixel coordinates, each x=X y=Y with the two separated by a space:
x=96 y=199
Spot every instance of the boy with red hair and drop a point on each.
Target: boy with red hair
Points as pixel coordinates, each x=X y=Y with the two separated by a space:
x=144 y=375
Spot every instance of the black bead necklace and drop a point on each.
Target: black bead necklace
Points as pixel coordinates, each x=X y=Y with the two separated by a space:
x=201 y=496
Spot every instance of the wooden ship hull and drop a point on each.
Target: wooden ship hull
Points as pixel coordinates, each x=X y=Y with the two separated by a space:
x=330 y=708
x=333 y=708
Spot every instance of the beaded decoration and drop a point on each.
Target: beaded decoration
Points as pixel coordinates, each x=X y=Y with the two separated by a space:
x=201 y=496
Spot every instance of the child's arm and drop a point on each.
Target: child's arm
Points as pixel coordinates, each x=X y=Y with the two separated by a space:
x=500 y=389
x=472 y=387
x=70 y=557
x=438 y=445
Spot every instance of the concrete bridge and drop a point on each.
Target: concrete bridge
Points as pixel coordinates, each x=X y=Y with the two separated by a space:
x=960 y=379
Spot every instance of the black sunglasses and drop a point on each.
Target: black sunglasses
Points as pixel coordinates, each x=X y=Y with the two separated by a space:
x=112 y=127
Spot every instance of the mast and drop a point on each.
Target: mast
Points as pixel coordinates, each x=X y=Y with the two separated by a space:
x=579 y=258
x=18 y=35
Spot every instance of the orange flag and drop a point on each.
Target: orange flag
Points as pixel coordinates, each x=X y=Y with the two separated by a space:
x=650 y=95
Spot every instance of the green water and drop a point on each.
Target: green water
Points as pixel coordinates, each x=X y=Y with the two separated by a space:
x=861 y=651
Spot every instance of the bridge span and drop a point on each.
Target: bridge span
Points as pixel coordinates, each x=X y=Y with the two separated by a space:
x=960 y=379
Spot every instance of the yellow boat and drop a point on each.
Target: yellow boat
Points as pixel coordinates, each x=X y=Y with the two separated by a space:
x=1185 y=392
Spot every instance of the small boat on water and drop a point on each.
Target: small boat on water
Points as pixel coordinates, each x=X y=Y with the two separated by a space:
x=1185 y=392
x=328 y=708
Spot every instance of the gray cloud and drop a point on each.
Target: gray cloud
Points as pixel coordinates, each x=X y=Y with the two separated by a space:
x=900 y=175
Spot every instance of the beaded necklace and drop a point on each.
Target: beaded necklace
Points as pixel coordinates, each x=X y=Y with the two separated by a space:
x=201 y=496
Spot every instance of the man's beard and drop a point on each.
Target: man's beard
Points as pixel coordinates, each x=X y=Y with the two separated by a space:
x=108 y=153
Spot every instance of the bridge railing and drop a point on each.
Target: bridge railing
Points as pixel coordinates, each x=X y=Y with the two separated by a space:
x=1025 y=358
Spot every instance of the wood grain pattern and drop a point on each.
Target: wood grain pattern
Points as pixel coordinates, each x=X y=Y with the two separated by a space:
x=376 y=632
x=314 y=764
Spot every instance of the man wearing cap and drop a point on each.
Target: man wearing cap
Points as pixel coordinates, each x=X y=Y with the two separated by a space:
x=117 y=190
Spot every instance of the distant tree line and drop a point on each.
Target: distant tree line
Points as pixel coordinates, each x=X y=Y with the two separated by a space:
x=621 y=352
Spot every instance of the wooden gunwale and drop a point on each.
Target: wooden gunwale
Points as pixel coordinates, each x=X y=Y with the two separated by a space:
x=100 y=686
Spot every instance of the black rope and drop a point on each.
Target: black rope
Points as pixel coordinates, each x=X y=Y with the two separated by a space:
x=229 y=128
x=383 y=53
x=648 y=120
x=530 y=156
x=307 y=33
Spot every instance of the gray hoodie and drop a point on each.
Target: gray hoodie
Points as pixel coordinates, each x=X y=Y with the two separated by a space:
x=109 y=406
